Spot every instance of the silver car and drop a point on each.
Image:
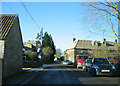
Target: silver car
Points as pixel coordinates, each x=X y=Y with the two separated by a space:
x=101 y=66
x=67 y=62
x=86 y=64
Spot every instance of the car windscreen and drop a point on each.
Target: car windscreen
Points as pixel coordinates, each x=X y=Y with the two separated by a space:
x=82 y=57
x=66 y=60
x=88 y=61
x=101 y=61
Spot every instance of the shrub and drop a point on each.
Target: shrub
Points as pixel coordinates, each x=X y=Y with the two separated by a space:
x=33 y=56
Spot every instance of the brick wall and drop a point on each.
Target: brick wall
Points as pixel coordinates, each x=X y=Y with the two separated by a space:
x=13 y=56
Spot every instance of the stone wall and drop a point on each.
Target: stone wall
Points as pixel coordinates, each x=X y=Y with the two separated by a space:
x=1 y=49
x=0 y=72
x=1 y=58
x=70 y=55
x=13 y=56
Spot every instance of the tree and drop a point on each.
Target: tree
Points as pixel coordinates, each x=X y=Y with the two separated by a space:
x=32 y=56
x=58 y=53
x=38 y=43
x=66 y=55
x=106 y=13
x=47 y=54
x=47 y=46
x=48 y=41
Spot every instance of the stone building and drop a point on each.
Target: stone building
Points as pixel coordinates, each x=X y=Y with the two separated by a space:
x=11 y=45
x=30 y=45
x=85 y=47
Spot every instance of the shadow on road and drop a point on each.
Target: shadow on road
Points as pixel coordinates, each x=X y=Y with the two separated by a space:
x=58 y=74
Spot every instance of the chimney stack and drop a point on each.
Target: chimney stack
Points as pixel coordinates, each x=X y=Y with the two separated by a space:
x=104 y=40
x=115 y=40
x=74 y=39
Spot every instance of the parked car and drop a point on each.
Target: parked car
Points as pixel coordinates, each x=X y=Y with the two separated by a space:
x=79 y=61
x=101 y=66
x=87 y=64
x=67 y=62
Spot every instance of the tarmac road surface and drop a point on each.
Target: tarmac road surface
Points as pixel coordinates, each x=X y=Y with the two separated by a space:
x=61 y=74
x=67 y=74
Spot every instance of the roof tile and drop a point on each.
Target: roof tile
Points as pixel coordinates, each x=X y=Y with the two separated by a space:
x=6 y=22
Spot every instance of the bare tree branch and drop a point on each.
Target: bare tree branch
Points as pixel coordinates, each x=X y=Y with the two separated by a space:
x=103 y=10
x=108 y=9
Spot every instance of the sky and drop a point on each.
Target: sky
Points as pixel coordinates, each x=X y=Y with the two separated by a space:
x=63 y=20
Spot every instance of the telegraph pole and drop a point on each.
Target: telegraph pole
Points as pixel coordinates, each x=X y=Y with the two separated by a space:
x=41 y=33
x=41 y=37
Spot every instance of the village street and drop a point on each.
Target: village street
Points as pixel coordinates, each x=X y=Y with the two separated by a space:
x=60 y=74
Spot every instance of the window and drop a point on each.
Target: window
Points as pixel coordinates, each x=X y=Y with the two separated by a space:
x=101 y=61
x=88 y=61
x=82 y=57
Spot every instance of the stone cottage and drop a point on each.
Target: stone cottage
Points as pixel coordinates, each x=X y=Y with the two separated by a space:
x=11 y=45
x=30 y=45
x=84 y=47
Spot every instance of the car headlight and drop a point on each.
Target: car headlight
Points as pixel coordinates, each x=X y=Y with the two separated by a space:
x=113 y=67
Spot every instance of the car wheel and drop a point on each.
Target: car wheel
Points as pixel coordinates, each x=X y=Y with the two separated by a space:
x=89 y=72
x=86 y=69
x=93 y=72
x=113 y=74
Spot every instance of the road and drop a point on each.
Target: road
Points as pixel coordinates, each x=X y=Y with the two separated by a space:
x=62 y=74
x=66 y=74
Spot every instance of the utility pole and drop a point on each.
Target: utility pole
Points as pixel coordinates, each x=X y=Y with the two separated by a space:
x=41 y=37
x=41 y=33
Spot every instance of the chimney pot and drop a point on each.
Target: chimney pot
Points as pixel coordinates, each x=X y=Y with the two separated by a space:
x=115 y=40
x=104 y=39
x=74 y=39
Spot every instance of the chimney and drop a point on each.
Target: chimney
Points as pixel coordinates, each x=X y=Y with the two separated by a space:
x=104 y=40
x=74 y=39
x=115 y=40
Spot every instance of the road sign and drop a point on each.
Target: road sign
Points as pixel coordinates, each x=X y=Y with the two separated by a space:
x=41 y=53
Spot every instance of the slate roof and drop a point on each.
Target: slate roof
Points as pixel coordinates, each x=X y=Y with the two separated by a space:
x=88 y=44
x=6 y=22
